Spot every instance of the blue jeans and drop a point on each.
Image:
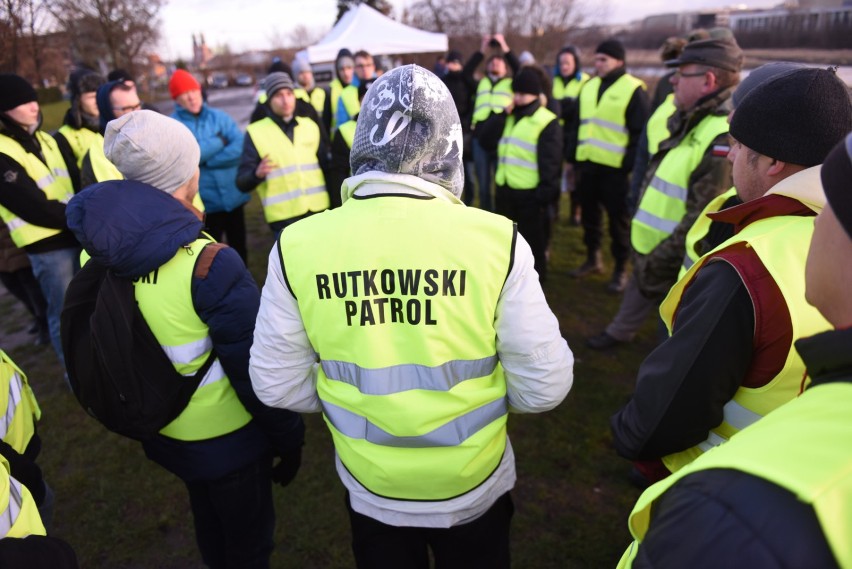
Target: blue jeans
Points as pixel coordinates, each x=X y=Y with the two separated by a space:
x=53 y=271
x=484 y=164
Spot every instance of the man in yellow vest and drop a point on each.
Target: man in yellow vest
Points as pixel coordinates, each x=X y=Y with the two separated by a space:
x=734 y=316
x=404 y=322
x=307 y=89
x=34 y=187
x=529 y=156
x=344 y=69
x=780 y=493
x=115 y=99
x=349 y=105
x=198 y=299
x=284 y=156
x=611 y=114
x=567 y=82
x=688 y=170
x=341 y=147
x=81 y=125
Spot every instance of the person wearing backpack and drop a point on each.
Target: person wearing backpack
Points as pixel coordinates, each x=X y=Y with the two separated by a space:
x=197 y=297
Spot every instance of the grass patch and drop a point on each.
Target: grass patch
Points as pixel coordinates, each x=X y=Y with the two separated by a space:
x=120 y=510
x=52 y=115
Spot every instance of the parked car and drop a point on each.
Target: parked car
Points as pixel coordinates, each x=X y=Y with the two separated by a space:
x=244 y=80
x=219 y=81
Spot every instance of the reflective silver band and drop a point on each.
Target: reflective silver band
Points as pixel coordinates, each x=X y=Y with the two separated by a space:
x=668 y=189
x=606 y=124
x=667 y=226
x=608 y=146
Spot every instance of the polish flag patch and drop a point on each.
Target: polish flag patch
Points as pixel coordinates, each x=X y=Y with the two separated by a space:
x=721 y=150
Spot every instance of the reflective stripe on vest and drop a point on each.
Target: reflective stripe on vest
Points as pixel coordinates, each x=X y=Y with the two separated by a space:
x=782 y=244
x=102 y=168
x=165 y=300
x=657 y=127
x=18 y=512
x=350 y=100
x=17 y=425
x=316 y=98
x=663 y=203
x=491 y=98
x=297 y=186
x=409 y=380
x=603 y=136
x=517 y=159
x=801 y=447
x=347 y=131
x=79 y=139
x=50 y=176
x=335 y=88
x=700 y=228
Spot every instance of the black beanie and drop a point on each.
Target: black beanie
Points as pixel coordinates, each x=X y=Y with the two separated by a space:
x=454 y=55
x=796 y=117
x=612 y=48
x=84 y=80
x=527 y=81
x=836 y=174
x=15 y=91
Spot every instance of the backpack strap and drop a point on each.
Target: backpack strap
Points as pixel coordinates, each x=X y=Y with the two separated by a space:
x=205 y=259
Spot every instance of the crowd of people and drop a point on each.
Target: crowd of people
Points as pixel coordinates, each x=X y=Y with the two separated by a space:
x=416 y=322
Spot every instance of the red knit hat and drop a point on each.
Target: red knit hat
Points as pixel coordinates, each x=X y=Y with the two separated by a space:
x=181 y=82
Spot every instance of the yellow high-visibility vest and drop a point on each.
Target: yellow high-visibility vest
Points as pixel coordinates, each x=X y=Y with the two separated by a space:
x=79 y=139
x=517 y=155
x=603 y=136
x=657 y=127
x=491 y=98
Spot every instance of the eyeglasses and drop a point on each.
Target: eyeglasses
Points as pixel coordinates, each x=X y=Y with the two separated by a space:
x=679 y=74
x=128 y=108
x=365 y=65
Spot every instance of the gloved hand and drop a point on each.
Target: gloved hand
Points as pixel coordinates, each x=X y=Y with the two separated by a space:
x=288 y=465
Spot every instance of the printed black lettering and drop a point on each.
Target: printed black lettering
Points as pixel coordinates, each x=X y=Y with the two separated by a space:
x=380 y=306
x=396 y=310
x=412 y=310
x=353 y=275
x=462 y=280
x=449 y=288
x=351 y=310
x=409 y=281
x=339 y=284
x=431 y=288
x=156 y=274
x=388 y=282
x=429 y=321
x=322 y=287
x=370 y=283
x=367 y=313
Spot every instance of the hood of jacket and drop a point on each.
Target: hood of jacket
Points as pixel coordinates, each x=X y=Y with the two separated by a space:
x=131 y=227
x=578 y=71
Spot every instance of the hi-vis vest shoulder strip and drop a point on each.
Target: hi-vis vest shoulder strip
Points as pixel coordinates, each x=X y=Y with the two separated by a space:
x=657 y=127
x=603 y=136
x=18 y=512
x=410 y=383
x=102 y=168
x=297 y=186
x=79 y=139
x=569 y=90
x=17 y=425
x=517 y=158
x=782 y=244
x=50 y=176
x=491 y=98
x=663 y=203
x=316 y=98
x=700 y=228
x=798 y=447
x=350 y=100
x=347 y=131
x=165 y=300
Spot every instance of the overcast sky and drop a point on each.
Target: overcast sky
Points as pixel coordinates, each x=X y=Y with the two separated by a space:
x=261 y=23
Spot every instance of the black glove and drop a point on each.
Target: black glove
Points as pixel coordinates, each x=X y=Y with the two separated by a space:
x=288 y=465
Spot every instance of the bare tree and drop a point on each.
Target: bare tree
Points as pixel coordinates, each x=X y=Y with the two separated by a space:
x=116 y=30
x=302 y=36
x=343 y=6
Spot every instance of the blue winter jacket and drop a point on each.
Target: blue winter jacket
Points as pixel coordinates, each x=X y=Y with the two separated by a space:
x=133 y=228
x=221 y=143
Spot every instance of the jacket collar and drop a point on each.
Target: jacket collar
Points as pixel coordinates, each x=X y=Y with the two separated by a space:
x=827 y=356
x=381 y=183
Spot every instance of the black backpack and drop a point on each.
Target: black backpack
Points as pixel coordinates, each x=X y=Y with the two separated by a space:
x=117 y=368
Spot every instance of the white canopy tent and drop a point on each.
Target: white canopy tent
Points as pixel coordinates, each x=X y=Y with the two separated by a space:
x=364 y=28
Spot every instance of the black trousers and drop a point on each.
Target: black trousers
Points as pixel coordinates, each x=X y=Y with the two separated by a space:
x=480 y=544
x=603 y=188
x=232 y=224
x=234 y=517
x=522 y=207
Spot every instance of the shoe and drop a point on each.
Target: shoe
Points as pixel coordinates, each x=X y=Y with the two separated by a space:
x=592 y=266
x=602 y=341
x=618 y=282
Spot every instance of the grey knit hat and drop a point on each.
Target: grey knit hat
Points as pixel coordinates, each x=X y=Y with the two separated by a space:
x=409 y=125
x=152 y=148
x=276 y=81
x=300 y=64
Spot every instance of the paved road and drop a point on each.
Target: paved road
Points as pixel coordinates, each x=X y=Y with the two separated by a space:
x=236 y=101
